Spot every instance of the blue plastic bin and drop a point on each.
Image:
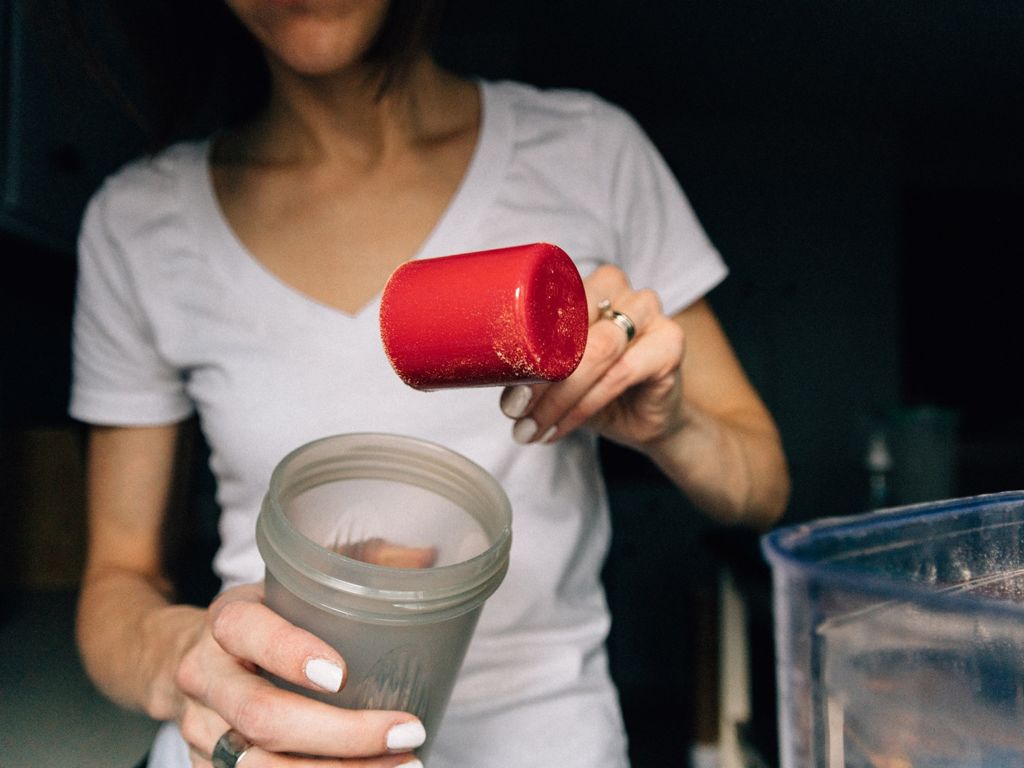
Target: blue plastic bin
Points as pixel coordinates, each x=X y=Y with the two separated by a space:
x=900 y=636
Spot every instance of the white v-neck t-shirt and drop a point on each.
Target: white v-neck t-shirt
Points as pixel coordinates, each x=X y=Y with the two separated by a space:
x=174 y=316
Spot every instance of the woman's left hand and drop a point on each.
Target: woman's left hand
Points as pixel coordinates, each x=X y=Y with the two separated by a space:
x=718 y=443
x=629 y=391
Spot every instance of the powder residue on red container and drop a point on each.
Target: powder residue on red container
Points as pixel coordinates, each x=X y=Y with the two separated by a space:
x=488 y=318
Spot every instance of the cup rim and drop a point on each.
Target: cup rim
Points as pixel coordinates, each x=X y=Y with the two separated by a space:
x=787 y=551
x=414 y=589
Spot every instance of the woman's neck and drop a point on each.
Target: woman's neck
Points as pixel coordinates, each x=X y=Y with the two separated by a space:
x=344 y=118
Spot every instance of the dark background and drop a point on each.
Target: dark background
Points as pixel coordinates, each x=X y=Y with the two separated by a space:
x=858 y=164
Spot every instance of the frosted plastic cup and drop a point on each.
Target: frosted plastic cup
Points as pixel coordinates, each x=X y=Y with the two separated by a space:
x=900 y=636
x=387 y=548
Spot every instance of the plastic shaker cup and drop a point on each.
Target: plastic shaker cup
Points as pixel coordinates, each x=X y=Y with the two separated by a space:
x=387 y=548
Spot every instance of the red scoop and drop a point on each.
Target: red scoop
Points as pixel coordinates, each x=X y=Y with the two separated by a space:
x=489 y=318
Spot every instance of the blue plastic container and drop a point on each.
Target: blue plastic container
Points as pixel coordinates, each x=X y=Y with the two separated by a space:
x=900 y=636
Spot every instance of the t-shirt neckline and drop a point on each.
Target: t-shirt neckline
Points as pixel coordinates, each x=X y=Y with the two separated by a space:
x=464 y=211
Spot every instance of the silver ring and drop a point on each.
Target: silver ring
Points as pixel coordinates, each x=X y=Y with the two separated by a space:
x=230 y=749
x=605 y=312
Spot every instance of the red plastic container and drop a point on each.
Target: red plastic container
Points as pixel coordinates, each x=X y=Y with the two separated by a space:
x=488 y=318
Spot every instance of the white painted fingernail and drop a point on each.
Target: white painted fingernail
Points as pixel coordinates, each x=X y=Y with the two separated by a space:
x=549 y=434
x=325 y=674
x=523 y=430
x=406 y=736
x=514 y=400
x=411 y=764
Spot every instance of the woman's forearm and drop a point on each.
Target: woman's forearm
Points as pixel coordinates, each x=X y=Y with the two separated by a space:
x=732 y=467
x=131 y=639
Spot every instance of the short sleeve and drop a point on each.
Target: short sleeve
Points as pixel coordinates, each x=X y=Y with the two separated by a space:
x=661 y=244
x=118 y=376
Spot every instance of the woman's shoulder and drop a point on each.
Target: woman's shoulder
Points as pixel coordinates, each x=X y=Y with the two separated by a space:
x=146 y=190
x=573 y=108
x=156 y=174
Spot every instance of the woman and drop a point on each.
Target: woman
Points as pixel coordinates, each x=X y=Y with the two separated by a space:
x=239 y=277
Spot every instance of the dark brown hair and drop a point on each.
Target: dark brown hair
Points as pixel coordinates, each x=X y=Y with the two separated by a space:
x=183 y=68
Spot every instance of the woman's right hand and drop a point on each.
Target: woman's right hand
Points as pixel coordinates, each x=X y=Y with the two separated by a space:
x=222 y=689
x=201 y=668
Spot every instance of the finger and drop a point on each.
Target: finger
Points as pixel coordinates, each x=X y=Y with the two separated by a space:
x=201 y=727
x=640 y=308
x=516 y=399
x=256 y=756
x=606 y=344
x=652 y=365
x=277 y=720
x=256 y=704
x=605 y=282
x=251 y=631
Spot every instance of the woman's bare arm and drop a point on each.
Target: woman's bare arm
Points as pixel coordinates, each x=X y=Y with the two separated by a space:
x=130 y=633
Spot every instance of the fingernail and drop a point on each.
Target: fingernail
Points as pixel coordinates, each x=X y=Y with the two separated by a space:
x=514 y=400
x=325 y=674
x=523 y=430
x=549 y=434
x=411 y=764
x=406 y=736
